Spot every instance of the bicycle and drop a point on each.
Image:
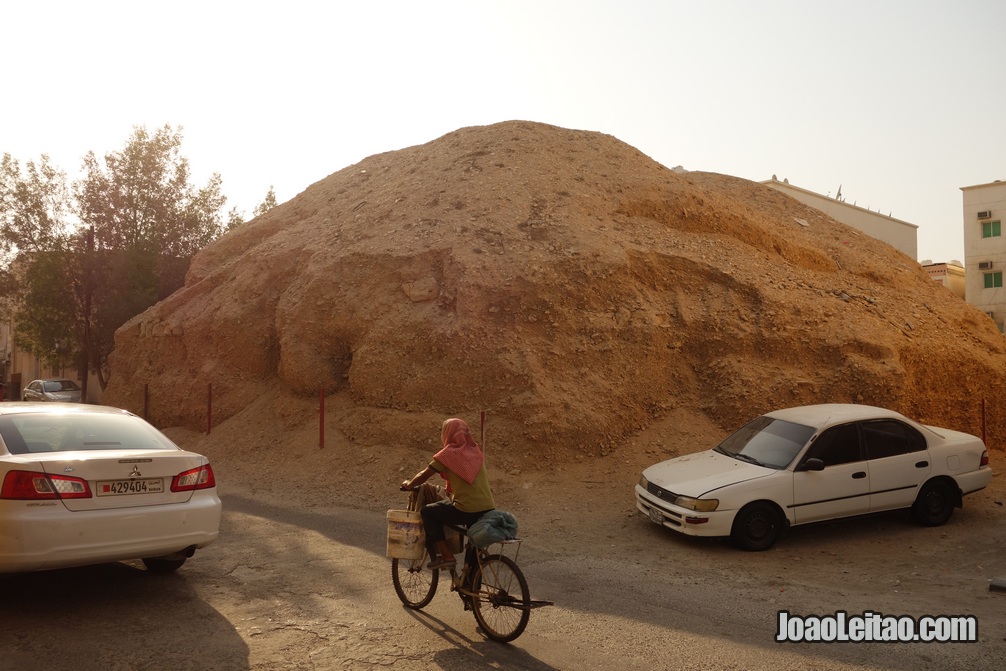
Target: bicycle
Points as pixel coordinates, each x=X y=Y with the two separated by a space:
x=490 y=584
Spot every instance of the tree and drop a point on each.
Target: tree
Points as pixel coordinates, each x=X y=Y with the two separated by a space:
x=140 y=223
x=265 y=205
x=236 y=218
x=35 y=226
x=34 y=207
x=47 y=316
x=147 y=221
x=141 y=198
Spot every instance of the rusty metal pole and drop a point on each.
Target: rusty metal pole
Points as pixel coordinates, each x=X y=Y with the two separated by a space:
x=984 y=421
x=321 y=419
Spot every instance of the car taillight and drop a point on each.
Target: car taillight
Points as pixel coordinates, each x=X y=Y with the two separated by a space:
x=32 y=485
x=985 y=459
x=197 y=478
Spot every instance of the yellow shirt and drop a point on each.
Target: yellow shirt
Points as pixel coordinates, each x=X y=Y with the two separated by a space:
x=468 y=498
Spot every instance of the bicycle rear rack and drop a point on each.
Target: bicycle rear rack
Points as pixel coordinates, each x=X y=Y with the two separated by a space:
x=504 y=547
x=504 y=550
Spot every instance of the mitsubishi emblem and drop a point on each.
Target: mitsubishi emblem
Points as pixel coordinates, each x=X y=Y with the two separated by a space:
x=136 y=472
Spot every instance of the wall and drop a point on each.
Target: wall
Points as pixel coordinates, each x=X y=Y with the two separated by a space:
x=899 y=234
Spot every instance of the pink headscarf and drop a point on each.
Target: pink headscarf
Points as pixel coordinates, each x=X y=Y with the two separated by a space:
x=460 y=453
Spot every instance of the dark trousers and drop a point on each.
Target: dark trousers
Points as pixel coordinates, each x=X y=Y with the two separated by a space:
x=436 y=515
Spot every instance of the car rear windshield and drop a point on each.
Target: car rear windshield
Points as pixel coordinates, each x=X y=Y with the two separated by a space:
x=60 y=385
x=29 y=433
x=768 y=442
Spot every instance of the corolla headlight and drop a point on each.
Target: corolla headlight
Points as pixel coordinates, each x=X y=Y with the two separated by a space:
x=643 y=483
x=698 y=505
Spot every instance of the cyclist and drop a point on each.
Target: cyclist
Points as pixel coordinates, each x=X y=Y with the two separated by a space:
x=461 y=463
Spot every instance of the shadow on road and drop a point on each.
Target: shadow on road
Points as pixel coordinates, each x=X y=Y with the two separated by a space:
x=466 y=653
x=112 y=616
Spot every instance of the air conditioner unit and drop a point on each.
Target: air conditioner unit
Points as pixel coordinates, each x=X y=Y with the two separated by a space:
x=984 y=265
x=985 y=214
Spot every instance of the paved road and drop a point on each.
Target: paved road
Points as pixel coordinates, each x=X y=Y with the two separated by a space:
x=289 y=589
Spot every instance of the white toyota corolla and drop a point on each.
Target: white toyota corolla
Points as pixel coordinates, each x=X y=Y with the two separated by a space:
x=83 y=484
x=810 y=464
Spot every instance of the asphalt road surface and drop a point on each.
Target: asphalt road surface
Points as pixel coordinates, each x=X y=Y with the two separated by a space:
x=289 y=588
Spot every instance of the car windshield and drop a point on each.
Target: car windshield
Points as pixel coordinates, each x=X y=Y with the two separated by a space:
x=60 y=385
x=64 y=432
x=768 y=442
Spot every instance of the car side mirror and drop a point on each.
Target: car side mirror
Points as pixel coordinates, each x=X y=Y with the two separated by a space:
x=812 y=464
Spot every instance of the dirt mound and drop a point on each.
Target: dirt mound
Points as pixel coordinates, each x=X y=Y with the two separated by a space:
x=561 y=280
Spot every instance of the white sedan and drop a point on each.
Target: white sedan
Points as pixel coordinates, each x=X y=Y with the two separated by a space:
x=83 y=484
x=814 y=463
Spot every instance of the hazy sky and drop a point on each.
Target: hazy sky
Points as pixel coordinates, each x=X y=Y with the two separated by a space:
x=899 y=102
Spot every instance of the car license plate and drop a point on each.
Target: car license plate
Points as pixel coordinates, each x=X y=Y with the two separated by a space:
x=120 y=487
x=656 y=516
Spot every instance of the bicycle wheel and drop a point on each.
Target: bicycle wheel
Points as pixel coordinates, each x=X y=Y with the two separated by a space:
x=502 y=601
x=414 y=585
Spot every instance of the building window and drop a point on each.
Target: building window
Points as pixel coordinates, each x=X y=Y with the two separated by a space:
x=991 y=229
x=993 y=280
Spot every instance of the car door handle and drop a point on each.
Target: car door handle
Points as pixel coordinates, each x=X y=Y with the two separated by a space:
x=859 y=475
x=921 y=464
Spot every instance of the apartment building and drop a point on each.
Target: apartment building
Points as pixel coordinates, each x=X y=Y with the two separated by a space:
x=950 y=274
x=985 y=248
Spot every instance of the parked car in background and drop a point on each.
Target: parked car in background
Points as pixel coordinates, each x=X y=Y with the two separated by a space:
x=52 y=389
x=83 y=484
x=810 y=464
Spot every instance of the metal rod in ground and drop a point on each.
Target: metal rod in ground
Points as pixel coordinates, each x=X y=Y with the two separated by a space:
x=321 y=419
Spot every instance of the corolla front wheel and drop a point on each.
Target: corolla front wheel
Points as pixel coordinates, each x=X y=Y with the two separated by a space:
x=756 y=527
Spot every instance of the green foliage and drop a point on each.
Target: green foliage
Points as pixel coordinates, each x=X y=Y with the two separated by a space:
x=265 y=205
x=141 y=197
x=236 y=218
x=73 y=289
x=47 y=322
x=34 y=206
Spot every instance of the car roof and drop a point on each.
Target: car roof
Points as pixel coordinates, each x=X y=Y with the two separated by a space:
x=827 y=414
x=17 y=407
